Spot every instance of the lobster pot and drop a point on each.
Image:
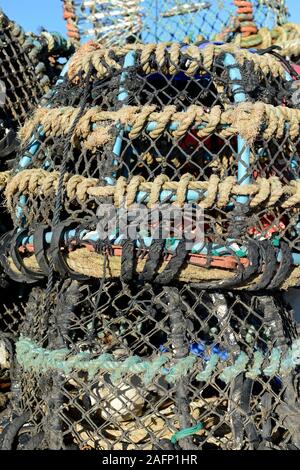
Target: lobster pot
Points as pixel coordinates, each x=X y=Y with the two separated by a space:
x=291 y=49
x=156 y=213
x=153 y=368
x=115 y=22
x=17 y=73
x=29 y=67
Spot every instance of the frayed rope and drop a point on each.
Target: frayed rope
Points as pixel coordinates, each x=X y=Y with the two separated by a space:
x=276 y=363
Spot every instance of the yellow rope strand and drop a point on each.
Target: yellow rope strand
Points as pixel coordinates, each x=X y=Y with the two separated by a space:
x=40 y=183
x=246 y=119
x=168 y=56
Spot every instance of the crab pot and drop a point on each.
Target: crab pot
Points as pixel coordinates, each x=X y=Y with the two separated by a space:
x=169 y=20
x=30 y=66
x=147 y=332
x=161 y=374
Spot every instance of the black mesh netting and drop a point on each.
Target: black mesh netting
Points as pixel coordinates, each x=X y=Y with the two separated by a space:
x=139 y=336
x=29 y=66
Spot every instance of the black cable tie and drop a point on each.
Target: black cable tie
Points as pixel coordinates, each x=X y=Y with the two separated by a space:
x=174 y=265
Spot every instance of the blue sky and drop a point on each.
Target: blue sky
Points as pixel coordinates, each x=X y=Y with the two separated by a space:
x=31 y=14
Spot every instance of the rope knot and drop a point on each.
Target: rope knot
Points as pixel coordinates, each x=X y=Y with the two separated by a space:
x=182 y=189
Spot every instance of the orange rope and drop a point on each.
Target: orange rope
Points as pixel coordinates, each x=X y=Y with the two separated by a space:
x=245 y=17
x=71 y=19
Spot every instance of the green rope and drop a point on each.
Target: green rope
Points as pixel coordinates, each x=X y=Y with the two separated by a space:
x=186 y=432
x=206 y=374
x=277 y=362
x=257 y=365
x=181 y=369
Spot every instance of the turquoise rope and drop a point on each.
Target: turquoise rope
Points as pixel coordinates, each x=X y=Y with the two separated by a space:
x=240 y=365
x=258 y=362
x=186 y=432
x=181 y=369
x=274 y=365
x=206 y=374
x=280 y=363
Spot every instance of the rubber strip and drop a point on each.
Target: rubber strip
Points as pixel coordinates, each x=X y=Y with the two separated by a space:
x=246 y=396
x=285 y=267
x=243 y=275
x=269 y=261
x=154 y=258
x=17 y=258
x=174 y=265
x=5 y=243
x=12 y=430
x=8 y=144
x=127 y=263
x=55 y=251
x=40 y=248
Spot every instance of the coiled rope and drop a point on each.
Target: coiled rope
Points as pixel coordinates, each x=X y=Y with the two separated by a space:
x=245 y=17
x=265 y=37
x=246 y=34
x=69 y=15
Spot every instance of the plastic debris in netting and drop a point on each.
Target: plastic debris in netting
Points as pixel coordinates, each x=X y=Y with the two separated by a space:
x=153 y=343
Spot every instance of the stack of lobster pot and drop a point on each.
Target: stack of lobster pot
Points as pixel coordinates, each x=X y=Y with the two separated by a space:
x=155 y=205
x=115 y=21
